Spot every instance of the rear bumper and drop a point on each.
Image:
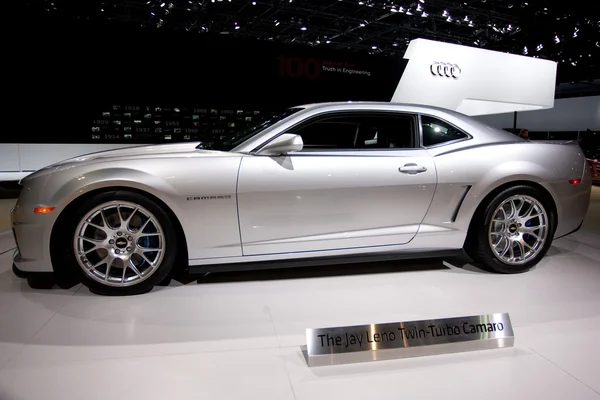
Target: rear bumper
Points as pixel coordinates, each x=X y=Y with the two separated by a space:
x=570 y=233
x=572 y=201
x=18 y=272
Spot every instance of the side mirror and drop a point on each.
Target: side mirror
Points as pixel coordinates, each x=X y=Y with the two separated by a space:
x=286 y=143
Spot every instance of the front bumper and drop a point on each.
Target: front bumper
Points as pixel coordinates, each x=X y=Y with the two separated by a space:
x=32 y=237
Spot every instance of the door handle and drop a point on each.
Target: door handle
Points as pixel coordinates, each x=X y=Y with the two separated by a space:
x=412 y=168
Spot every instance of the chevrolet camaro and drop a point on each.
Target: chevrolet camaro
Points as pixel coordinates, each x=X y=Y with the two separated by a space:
x=319 y=184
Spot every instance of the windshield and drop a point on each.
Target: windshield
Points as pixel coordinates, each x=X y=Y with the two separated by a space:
x=234 y=139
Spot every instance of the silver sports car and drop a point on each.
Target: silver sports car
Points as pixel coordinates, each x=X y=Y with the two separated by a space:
x=318 y=184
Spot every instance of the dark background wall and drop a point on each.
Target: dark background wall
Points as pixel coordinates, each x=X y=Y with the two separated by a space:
x=76 y=82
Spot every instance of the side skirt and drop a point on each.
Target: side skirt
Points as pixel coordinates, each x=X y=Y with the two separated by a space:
x=319 y=261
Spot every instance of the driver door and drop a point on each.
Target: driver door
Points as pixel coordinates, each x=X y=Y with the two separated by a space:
x=360 y=181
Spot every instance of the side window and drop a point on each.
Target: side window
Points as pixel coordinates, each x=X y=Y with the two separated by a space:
x=358 y=131
x=437 y=132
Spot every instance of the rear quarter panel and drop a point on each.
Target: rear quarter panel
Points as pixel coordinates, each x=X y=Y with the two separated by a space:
x=485 y=167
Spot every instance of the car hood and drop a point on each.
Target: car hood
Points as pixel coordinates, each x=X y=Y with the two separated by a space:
x=130 y=153
x=147 y=151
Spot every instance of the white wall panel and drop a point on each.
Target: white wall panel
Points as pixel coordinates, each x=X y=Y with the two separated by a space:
x=574 y=114
x=9 y=157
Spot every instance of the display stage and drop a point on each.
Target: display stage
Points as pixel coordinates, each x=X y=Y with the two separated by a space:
x=240 y=335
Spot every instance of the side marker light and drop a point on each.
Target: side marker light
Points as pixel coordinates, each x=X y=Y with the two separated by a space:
x=43 y=210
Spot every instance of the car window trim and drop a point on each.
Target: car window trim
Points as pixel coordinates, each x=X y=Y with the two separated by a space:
x=412 y=115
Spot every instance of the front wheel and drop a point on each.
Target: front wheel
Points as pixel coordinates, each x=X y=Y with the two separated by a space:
x=119 y=243
x=514 y=232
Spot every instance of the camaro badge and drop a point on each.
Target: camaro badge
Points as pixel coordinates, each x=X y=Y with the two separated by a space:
x=219 y=197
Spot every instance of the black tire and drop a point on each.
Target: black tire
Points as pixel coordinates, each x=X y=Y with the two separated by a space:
x=477 y=244
x=63 y=252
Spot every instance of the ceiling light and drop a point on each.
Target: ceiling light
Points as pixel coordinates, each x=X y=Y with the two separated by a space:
x=328 y=41
x=408 y=12
x=449 y=19
x=540 y=47
x=466 y=18
x=556 y=39
x=394 y=9
x=276 y=23
x=445 y=13
x=575 y=33
x=303 y=28
x=419 y=8
x=525 y=50
x=395 y=44
x=424 y=15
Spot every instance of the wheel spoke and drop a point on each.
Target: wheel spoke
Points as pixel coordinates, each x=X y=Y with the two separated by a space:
x=90 y=240
x=141 y=230
x=513 y=209
x=150 y=234
x=108 y=267
x=141 y=254
x=519 y=244
x=149 y=250
x=512 y=250
x=134 y=268
x=120 y=214
x=506 y=248
x=125 y=266
x=128 y=220
x=101 y=228
x=99 y=263
x=95 y=248
x=104 y=221
x=530 y=217
x=531 y=231
x=518 y=210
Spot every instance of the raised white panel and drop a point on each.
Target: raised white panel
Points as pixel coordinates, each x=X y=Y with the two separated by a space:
x=482 y=82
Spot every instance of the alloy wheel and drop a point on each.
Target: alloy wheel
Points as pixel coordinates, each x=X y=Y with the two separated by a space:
x=119 y=243
x=518 y=230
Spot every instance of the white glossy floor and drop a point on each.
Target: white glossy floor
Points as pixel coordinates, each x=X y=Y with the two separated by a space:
x=238 y=336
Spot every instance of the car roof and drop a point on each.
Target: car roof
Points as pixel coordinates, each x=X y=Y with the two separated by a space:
x=379 y=104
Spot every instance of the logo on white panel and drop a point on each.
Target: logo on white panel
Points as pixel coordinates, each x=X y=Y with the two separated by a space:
x=446 y=70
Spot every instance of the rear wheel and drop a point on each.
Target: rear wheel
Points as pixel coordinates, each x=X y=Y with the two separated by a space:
x=119 y=243
x=514 y=232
